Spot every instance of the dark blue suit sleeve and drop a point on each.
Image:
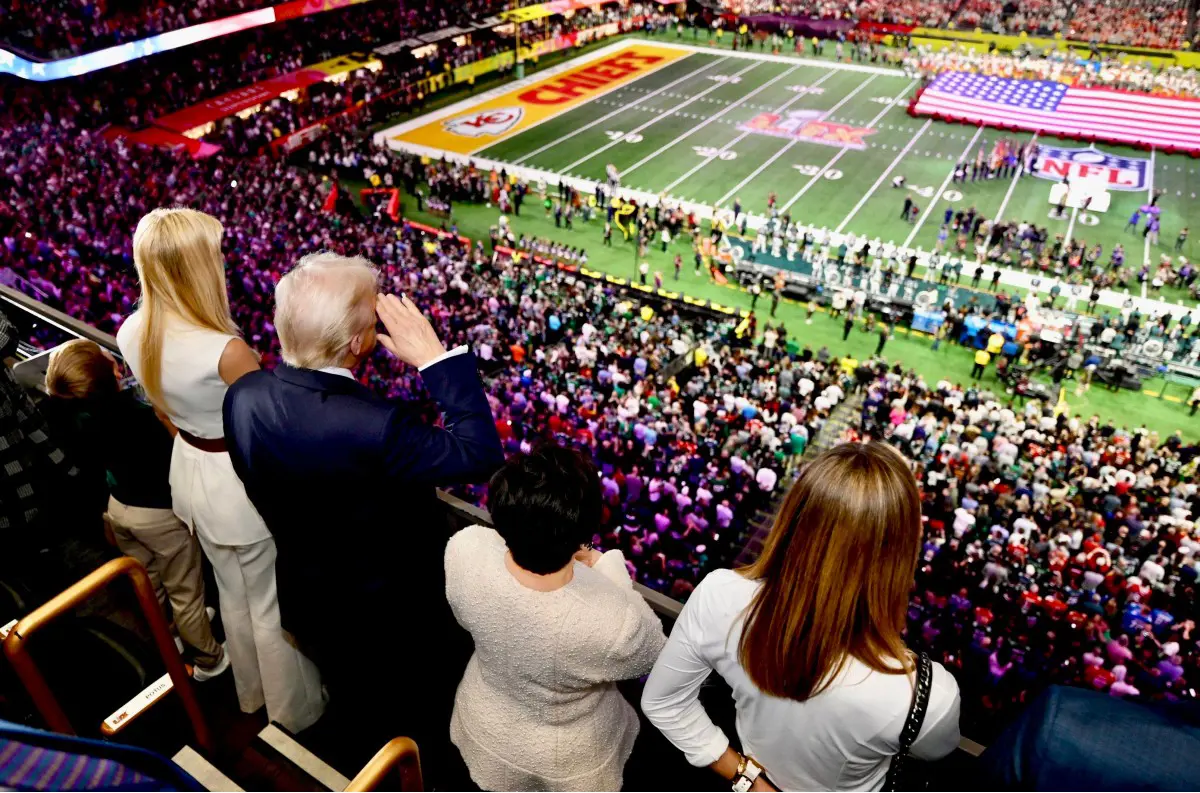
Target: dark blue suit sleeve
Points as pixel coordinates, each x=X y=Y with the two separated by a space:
x=466 y=449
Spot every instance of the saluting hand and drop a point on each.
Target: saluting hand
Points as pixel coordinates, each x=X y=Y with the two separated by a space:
x=409 y=335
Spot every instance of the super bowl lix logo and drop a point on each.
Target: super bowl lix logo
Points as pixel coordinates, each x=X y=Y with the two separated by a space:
x=494 y=121
x=807 y=125
x=1115 y=173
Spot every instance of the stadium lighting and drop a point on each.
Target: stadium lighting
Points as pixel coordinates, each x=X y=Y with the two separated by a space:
x=46 y=71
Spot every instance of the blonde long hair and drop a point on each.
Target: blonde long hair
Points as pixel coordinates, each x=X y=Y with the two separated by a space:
x=836 y=572
x=177 y=253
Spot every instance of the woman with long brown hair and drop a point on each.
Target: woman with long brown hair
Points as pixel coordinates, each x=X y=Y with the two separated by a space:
x=809 y=639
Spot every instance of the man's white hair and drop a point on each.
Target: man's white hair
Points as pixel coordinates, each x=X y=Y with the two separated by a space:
x=321 y=305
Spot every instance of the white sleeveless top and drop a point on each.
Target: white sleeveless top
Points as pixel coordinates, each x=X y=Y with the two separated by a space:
x=191 y=383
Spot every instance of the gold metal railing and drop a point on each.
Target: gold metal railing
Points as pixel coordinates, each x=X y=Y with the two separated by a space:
x=16 y=644
x=399 y=755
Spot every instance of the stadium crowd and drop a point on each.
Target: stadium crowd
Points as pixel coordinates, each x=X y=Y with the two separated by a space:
x=1045 y=559
x=78 y=258
x=63 y=28
x=1057 y=549
x=1058 y=66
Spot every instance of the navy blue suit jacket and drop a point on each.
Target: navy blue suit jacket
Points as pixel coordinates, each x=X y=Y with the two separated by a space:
x=345 y=481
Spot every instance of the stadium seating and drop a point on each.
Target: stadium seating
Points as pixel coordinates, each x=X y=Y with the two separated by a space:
x=713 y=492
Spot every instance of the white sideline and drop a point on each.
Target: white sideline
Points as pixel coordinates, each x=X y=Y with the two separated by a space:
x=647 y=124
x=1108 y=298
x=1149 y=198
x=619 y=110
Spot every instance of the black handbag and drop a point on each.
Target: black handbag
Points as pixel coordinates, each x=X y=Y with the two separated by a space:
x=905 y=773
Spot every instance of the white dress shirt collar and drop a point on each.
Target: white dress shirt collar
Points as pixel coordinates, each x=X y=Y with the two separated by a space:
x=344 y=372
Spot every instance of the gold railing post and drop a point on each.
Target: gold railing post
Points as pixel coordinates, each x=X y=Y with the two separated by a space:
x=398 y=752
x=43 y=698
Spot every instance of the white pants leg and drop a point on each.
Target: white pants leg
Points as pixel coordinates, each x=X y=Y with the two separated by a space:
x=267 y=668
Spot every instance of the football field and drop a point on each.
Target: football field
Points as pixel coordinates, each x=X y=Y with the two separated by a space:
x=708 y=127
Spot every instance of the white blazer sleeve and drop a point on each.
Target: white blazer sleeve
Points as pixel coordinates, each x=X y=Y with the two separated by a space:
x=671 y=698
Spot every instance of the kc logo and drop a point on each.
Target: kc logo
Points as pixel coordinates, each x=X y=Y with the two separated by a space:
x=485 y=122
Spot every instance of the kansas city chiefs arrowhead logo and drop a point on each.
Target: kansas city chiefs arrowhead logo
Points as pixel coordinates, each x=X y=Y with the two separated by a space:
x=485 y=122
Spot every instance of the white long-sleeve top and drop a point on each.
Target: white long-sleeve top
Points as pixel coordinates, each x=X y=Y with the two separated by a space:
x=841 y=739
x=538 y=708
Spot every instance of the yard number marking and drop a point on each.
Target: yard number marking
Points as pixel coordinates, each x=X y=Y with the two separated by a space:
x=711 y=151
x=813 y=170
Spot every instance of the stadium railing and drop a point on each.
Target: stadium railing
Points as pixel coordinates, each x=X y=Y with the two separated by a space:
x=400 y=756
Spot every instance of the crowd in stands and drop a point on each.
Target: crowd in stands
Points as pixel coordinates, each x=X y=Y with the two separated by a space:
x=321 y=101
x=60 y=28
x=925 y=13
x=78 y=258
x=1059 y=66
x=1131 y=23
x=1045 y=560
x=1057 y=549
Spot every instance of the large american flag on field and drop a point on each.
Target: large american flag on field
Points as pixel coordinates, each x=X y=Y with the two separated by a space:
x=1053 y=107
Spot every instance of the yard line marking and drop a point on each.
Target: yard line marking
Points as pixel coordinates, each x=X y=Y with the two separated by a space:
x=1012 y=185
x=841 y=152
x=1149 y=200
x=744 y=135
x=777 y=154
x=654 y=121
x=708 y=121
x=634 y=103
x=882 y=176
x=932 y=202
x=1071 y=227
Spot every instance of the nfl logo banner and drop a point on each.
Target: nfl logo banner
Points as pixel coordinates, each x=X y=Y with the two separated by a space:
x=1115 y=173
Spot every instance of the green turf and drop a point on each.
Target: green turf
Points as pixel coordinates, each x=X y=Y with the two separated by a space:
x=1125 y=408
x=702 y=112
x=855 y=192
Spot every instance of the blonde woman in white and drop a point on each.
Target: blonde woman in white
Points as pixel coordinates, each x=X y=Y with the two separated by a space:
x=185 y=351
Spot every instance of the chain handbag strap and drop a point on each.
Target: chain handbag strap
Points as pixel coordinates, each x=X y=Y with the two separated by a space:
x=900 y=768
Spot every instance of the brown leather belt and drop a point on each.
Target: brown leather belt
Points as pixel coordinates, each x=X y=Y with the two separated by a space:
x=204 y=444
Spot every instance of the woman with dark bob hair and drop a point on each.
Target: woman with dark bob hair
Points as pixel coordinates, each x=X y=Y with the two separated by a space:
x=555 y=625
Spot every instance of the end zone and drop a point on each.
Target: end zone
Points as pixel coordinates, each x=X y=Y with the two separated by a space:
x=476 y=123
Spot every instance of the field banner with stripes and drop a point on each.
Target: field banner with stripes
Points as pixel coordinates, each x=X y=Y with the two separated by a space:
x=1053 y=108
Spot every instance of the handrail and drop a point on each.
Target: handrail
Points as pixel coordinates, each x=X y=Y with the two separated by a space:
x=35 y=683
x=56 y=317
x=398 y=752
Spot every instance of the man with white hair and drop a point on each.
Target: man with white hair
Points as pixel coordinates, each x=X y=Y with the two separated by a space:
x=345 y=482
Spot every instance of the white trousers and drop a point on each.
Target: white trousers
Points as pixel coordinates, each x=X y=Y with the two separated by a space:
x=268 y=670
